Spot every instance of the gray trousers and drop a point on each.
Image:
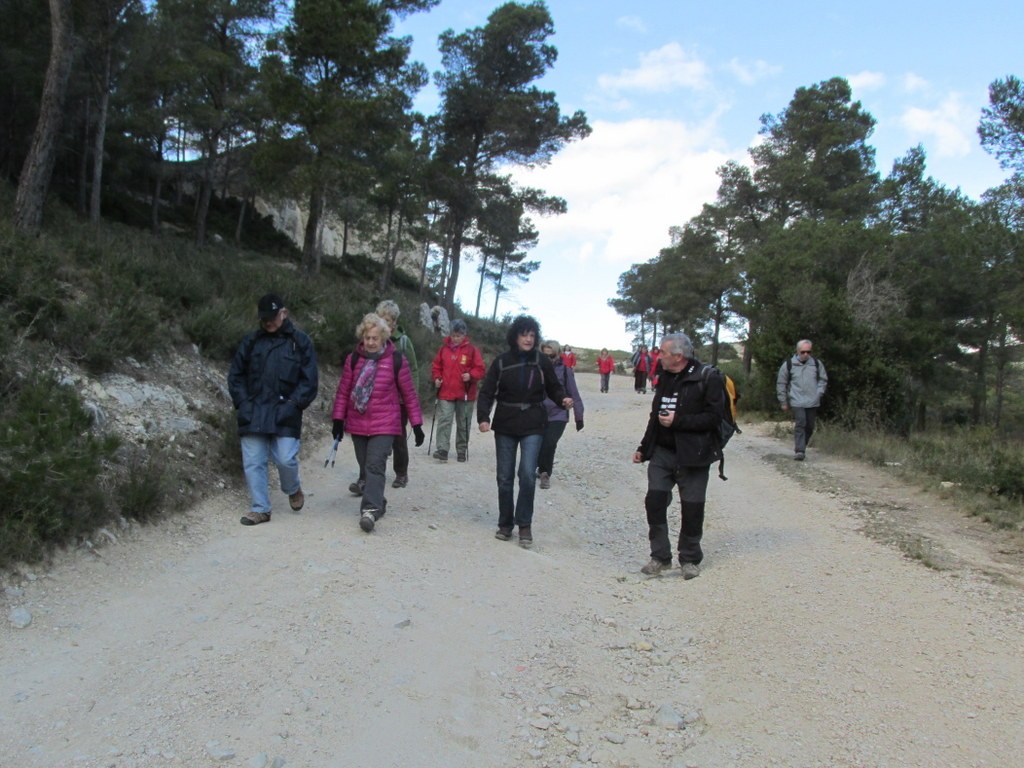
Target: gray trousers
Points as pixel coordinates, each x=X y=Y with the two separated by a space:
x=803 y=427
x=372 y=454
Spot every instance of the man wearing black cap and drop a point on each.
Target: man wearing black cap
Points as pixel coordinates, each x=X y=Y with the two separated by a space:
x=273 y=379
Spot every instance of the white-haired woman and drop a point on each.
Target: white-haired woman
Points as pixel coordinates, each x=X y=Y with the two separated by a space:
x=376 y=382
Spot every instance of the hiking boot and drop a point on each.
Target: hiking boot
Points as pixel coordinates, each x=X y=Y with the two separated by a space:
x=462 y=456
x=690 y=570
x=441 y=455
x=400 y=481
x=799 y=456
x=296 y=500
x=367 y=520
x=545 y=480
x=655 y=566
x=503 y=534
x=255 y=518
x=356 y=488
x=525 y=537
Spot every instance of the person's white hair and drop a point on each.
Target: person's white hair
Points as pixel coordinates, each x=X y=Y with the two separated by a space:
x=679 y=344
x=388 y=308
x=372 y=320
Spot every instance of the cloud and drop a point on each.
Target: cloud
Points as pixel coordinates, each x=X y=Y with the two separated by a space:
x=660 y=71
x=866 y=81
x=625 y=186
x=749 y=73
x=632 y=23
x=950 y=126
x=913 y=83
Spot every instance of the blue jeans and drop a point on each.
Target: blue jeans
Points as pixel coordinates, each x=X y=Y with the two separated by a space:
x=256 y=450
x=521 y=511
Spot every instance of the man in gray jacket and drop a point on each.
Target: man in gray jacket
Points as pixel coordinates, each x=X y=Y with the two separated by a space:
x=800 y=385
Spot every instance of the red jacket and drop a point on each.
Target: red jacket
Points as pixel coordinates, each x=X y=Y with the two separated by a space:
x=569 y=360
x=605 y=364
x=383 y=414
x=450 y=363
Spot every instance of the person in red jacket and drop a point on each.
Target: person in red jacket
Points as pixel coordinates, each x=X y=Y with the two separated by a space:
x=605 y=366
x=652 y=373
x=457 y=367
x=568 y=357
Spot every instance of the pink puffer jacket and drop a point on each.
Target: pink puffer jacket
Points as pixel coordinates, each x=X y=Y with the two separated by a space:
x=383 y=412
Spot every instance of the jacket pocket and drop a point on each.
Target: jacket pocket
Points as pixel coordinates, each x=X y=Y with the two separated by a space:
x=244 y=414
x=288 y=414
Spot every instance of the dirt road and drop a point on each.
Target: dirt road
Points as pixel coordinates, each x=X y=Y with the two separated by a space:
x=810 y=638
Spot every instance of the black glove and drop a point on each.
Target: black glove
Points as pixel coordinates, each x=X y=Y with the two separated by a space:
x=420 y=437
x=579 y=425
x=339 y=429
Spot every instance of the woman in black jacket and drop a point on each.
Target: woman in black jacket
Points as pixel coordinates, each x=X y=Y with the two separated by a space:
x=517 y=382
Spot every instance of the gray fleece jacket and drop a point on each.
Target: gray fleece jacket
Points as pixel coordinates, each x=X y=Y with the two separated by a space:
x=801 y=383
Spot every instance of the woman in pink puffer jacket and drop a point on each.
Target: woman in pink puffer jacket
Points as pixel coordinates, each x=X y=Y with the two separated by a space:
x=375 y=381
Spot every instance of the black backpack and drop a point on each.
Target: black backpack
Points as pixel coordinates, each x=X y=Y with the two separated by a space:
x=727 y=426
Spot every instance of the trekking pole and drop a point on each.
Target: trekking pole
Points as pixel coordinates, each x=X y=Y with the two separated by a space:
x=432 y=420
x=332 y=453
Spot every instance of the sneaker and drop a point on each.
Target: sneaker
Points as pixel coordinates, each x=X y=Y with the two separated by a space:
x=400 y=481
x=441 y=455
x=655 y=566
x=462 y=456
x=545 y=480
x=799 y=456
x=690 y=570
x=525 y=537
x=356 y=488
x=296 y=500
x=255 y=518
x=503 y=534
x=367 y=521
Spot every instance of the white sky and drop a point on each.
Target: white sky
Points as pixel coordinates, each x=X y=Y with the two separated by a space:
x=674 y=88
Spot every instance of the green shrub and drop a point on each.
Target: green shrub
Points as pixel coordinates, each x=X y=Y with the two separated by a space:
x=49 y=465
x=141 y=493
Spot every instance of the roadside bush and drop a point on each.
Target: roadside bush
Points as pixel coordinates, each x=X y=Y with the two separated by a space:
x=143 y=490
x=49 y=465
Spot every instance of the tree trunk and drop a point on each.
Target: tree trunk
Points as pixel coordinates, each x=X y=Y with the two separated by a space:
x=38 y=168
x=100 y=138
x=480 y=288
x=497 y=290
x=316 y=205
x=83 y=165
x=241 y=221
x=456 y=256
x=385 y=272
x=203 y=209
x=154 y=208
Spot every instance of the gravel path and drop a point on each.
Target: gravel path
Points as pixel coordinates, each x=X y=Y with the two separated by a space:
x=808 y=639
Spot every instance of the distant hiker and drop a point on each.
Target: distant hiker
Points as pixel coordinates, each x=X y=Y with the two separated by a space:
x=680 y=445
x=515 y=386
x=389 y=310
x=641 y=365
x=800 y=385
x=375 y=387
x=652 y=373
x=558 y=415
x=568 y=357
x=605 y=366
x=457 y=368
x=273 y=378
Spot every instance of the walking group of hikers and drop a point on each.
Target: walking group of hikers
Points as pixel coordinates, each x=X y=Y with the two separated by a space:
x=525 y=398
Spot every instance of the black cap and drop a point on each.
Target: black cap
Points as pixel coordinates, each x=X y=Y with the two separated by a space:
x=269 y=306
